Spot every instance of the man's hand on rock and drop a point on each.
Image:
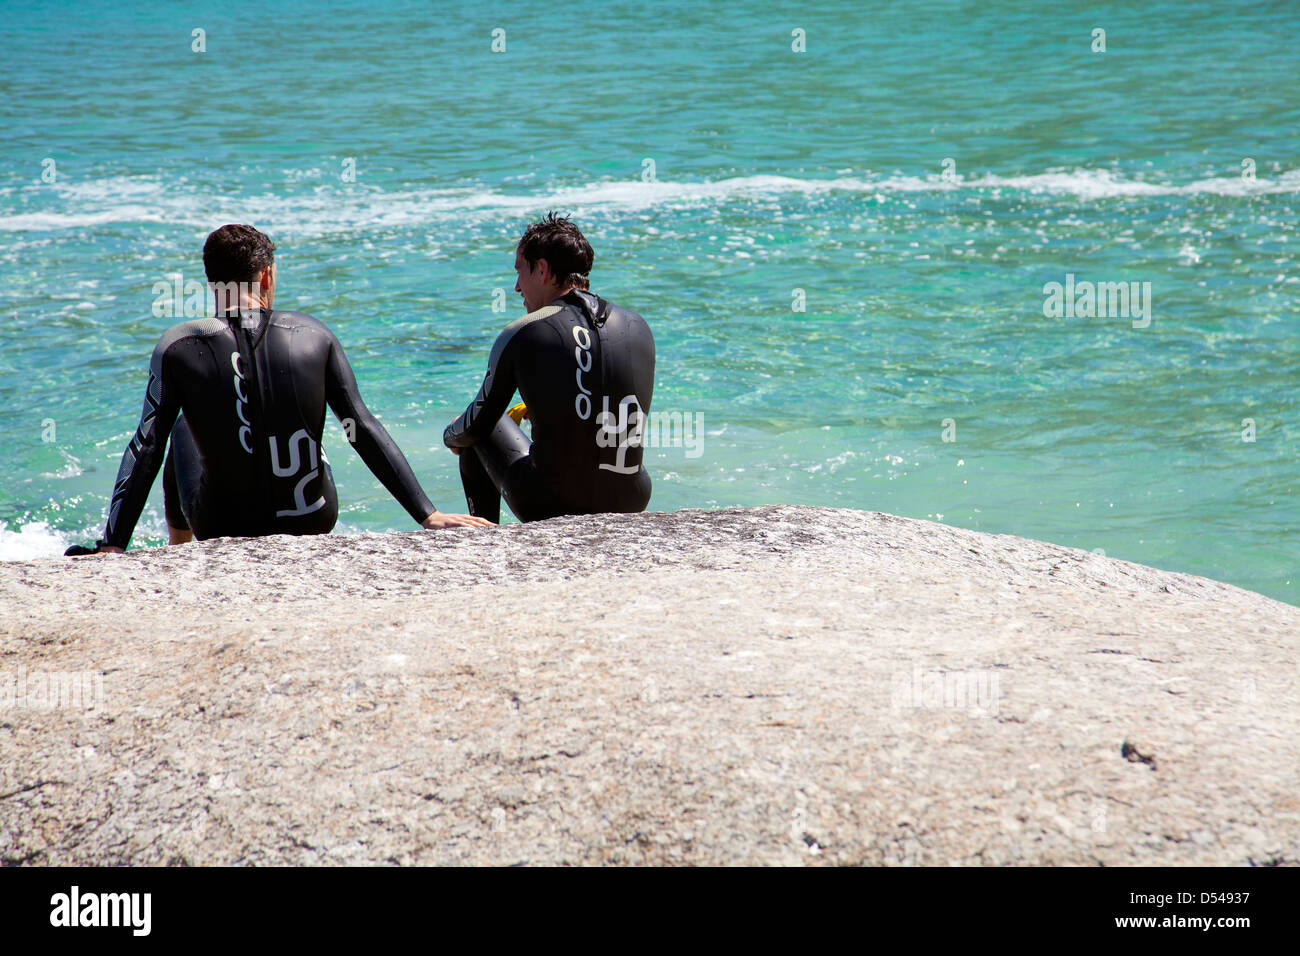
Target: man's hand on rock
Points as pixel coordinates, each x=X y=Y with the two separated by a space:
x=77 y=551
x=438 y=521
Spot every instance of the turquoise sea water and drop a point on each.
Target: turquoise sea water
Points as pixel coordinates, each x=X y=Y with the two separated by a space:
x=773 y=171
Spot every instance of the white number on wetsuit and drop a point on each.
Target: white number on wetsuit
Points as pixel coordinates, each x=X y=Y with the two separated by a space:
x=621 y=433
x=297 y=461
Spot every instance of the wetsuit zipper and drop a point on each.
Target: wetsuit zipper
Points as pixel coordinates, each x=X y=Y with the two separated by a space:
x=247 y=345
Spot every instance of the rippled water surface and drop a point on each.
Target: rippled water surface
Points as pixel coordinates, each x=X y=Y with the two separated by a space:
x=922 y=281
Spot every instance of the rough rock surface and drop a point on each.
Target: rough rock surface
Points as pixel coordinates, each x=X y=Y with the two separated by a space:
x=772 y=685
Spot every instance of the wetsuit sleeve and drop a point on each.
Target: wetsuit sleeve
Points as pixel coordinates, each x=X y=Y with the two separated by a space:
x=371 y=440
x=494 y=395
x=144 y=454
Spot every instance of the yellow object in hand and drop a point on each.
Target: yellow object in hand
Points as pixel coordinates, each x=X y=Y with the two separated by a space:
x=518 y=413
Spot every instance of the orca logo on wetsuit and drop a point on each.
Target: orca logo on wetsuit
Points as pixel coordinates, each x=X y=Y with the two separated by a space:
x=582 y=401
x=241 y=399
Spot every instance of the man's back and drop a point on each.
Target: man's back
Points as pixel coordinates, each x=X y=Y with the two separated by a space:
x=253 y=387
x=585 y=369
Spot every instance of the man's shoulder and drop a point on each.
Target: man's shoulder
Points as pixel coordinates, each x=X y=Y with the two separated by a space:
x=193 y=328
x=289 y=319
x=545 y=312
x=629 y=322
x=613 y=308
x=625 y=312
x=304 y=328
x=533 y=322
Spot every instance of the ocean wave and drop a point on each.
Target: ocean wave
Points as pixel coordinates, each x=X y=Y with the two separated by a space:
x=329 y=207
x=36 y=539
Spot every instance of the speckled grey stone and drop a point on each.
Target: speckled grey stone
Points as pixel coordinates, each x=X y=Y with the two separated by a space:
x=772 y=685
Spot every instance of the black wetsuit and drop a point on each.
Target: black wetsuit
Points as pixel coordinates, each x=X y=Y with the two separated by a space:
x=585 y=369
x=245 y=457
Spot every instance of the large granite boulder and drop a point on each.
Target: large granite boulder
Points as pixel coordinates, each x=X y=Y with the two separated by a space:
x=758 y=685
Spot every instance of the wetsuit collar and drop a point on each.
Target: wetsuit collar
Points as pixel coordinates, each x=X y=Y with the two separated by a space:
x=581 y=299
x=254 y=322
x=248 y=318
x=593 y=306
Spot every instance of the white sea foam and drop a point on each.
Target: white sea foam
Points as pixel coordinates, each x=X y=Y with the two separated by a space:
x=330 y=207
x=35 y=539
x=48 y=221
x=72 y=467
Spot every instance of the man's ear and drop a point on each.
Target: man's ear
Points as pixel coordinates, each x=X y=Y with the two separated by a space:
x=544 y=273
x=267 y=278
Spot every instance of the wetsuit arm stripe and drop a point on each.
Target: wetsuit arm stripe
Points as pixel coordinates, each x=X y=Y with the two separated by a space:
x=494 y=394
x=144 y=453
x=371 y=440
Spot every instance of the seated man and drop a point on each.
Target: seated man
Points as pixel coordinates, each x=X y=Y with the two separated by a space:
x=243 y=398
x=585 y=370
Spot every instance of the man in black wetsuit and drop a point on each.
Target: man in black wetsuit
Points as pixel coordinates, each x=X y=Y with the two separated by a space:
x=242 y=397
x=585 y=370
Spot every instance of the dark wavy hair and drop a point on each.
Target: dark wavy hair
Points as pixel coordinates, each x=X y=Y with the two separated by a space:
x=237 y=254
x=563 y=246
